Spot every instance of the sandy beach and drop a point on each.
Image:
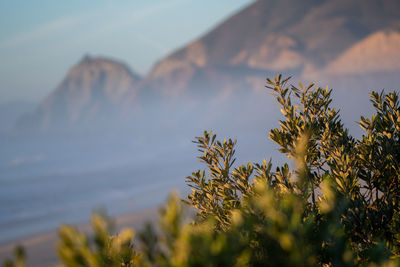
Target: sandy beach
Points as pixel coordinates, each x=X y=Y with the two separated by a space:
x=41 y=248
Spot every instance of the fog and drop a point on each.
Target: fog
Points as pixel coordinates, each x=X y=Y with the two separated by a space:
x=132 y=162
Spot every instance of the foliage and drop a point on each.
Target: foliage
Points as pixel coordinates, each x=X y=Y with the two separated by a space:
x=19 y=258
x=338 y=207
x=104 y=250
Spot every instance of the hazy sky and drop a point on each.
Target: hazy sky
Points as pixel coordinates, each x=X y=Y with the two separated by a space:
x=41 y=40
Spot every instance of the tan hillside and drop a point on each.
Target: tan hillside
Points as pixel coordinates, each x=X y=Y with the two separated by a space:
x=378 y=52
x=293 y=37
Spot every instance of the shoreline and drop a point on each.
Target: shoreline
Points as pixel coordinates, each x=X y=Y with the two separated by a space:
x=40 y=248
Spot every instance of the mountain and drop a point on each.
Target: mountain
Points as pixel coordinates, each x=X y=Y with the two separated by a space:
x=301 y=38
x=95 y=89
x=353 y=46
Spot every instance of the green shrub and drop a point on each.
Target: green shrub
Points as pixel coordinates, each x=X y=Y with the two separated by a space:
x=338 y=207
x=75 y=250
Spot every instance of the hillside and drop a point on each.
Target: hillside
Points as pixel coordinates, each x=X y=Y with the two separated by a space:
x=295 y=37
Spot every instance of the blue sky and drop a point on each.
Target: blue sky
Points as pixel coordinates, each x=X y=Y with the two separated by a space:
x=41 y=40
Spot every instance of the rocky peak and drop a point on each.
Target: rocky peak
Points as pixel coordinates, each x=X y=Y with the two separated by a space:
x=93 y=89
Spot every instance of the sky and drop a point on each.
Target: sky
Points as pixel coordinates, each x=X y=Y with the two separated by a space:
x=41 y=40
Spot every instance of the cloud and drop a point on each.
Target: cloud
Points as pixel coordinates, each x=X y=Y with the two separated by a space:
x=126 y=19
x=41 y=31
x=138 y=15
x=153 y=10
x=27 y=160
x=154 y=44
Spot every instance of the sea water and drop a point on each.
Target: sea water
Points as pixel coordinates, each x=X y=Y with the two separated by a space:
x=42 y=188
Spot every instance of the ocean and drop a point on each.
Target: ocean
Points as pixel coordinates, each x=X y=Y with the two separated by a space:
x=49 y=187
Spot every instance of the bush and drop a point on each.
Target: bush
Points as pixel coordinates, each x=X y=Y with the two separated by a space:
x=339 y=206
